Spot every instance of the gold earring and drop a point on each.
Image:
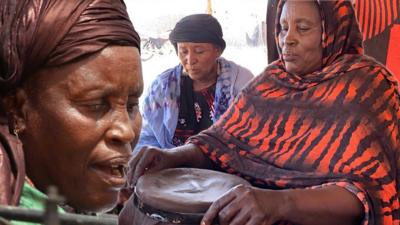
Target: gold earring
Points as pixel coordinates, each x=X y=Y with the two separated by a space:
x=16 y=131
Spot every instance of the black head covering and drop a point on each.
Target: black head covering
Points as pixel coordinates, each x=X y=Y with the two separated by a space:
x=198 y=28
x=45 y=33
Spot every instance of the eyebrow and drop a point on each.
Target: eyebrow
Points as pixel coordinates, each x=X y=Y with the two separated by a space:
x=93 y=88
x=304 y=20
x=300 y=20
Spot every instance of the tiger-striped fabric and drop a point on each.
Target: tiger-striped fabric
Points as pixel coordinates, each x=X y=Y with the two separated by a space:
x=339 y=125
x=376 y=15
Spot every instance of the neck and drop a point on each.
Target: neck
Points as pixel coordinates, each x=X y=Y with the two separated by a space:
x=202 y=84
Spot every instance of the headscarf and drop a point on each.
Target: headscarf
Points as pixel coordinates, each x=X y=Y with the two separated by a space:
x=336 y=126
x=198 y=28
x=46 y=33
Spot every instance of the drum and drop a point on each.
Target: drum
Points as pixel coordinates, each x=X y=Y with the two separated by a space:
x=180 y=195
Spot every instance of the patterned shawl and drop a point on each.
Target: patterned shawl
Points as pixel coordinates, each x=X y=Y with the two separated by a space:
x=160 y=108
x=339 y=125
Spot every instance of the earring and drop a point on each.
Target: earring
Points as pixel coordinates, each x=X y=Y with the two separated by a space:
x=16 y=131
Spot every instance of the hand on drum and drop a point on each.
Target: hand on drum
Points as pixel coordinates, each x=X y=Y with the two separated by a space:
x=148 y=159
x=245 y=205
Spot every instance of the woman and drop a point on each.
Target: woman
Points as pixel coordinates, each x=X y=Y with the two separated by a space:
x=70 y=80
x=379 y=23
x=190 y=97
x=317 y=134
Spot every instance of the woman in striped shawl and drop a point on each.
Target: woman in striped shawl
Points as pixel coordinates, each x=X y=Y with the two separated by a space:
x=317 y=133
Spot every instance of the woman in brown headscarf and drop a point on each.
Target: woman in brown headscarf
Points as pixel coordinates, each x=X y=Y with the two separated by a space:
x=317 y=133
x=70 y=80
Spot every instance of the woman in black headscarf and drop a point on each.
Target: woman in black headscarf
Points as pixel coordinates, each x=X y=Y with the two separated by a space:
x=70 y=80
x=190 y=97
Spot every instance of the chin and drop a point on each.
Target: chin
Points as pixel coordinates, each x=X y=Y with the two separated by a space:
x=96 y=202
x=294 y=70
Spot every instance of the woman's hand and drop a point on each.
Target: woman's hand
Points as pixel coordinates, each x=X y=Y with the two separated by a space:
x=149 y=159
x=245 y=205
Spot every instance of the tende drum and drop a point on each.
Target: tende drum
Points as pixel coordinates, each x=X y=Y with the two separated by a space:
x=181 y=195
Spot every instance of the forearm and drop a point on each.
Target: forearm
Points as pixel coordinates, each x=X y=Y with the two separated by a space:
x=326 y=205
x=191 y=156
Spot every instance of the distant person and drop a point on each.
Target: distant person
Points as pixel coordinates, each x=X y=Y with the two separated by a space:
x=190 y=97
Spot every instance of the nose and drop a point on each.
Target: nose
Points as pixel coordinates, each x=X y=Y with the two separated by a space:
x=121 y=129
x=290 y=38
x=191 y=59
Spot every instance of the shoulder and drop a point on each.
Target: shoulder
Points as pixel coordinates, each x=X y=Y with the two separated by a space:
x=242 y=74
x=164 y=83
x=165 y=78
x=164 y=89
x=367 y=67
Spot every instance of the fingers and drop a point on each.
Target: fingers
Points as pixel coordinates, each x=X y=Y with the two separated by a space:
x=239 y=206
x=136 y=156
x=240 y=219
x=216 y=207
x=143 y=164
x=258 y=221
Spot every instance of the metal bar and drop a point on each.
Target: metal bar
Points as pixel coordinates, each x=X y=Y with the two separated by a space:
x=37 y=216
x=4 y=221
x=51 y=215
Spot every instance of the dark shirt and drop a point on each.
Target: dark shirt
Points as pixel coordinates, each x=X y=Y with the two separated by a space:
x=196 y=111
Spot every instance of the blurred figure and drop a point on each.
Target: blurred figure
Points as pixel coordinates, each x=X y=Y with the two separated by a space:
x=186 y=99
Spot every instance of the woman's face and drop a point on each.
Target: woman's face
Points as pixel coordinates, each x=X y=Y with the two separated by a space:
x=300 y=37
x=81 y=122
x=199 y=59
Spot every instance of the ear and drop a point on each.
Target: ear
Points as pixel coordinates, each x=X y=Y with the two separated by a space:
x=219 y=50
x=15 y=105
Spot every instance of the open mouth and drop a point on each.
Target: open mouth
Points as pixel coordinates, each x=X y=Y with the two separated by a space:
x=112 y=174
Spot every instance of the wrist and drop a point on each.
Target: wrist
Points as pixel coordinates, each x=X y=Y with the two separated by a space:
x=185 y=155
x=282 y=201
x=288 y=206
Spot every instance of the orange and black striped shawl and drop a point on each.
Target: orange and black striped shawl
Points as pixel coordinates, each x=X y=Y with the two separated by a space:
x=380 y=24
x=336 y=126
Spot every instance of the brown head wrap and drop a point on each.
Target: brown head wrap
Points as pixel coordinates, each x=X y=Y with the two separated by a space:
x=46 y=33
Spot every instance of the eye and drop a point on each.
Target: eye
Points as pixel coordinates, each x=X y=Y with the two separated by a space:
x=94 y=108
x=284 y=30
x=132 y=107
x=199 y=51
x=303 y=29
x=183 y=52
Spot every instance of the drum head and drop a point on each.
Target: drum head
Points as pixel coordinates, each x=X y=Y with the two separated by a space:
x=184 y=190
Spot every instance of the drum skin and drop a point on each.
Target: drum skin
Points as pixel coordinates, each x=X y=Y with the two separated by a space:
x=184 y=190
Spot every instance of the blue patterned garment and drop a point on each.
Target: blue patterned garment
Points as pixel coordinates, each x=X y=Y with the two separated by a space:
x=160 y=107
